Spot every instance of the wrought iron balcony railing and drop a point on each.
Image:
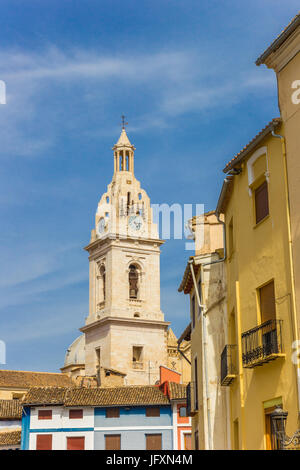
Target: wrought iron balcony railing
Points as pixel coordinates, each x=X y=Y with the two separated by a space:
x=192 y=399
x=228 y=364
x=262 y=344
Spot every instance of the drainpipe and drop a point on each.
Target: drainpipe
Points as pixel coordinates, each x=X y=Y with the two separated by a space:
x=203 y=317
x=294 y=308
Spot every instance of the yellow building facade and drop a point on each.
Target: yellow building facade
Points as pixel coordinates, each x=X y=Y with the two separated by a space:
x=257 y=363
x=204 y=281
x=283 y=56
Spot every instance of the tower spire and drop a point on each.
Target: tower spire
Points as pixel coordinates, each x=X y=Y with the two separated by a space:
x=123 y=151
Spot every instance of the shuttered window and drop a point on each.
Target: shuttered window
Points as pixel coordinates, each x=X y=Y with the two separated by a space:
x=75 y=443
x=187 y=441
x=44 y=442
x=261 y=202
x=271 y=441
x=75 y=414
x=45 y=414
x=267 y=302
x=112 y=442
x=196 y=383
x=153 y=442
x=112 y=412
x=152 y=411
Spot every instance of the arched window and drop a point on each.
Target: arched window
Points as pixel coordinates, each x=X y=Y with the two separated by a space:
x=102 y=274
x=133 y=282
x=128 y=202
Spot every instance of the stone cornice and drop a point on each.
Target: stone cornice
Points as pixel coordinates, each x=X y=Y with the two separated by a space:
x=126 y=320
x=280 y=57
x=110 y=239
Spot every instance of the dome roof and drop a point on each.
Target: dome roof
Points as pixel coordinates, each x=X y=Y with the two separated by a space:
x=76 y=352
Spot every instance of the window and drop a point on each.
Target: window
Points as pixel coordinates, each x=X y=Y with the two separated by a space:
x=267 y=302
x=200 y=296
x=196 y=440
x=187 y=441
x=261 y=202
x=193 y=311
x=112 y=442
x=137 y=357
x=75 y=443
x=98 y=358
x=196 y=383
x=44 y=442
x=268 y=314
x=152 y=411
x=271 y=440
x=183 y=412
x=128 y=202
x=236 y=435
x=45 y=414
x=133 y=282
x=230 y=238
x=153 y=442
x=75 y=414
x=112 y=412
x=102 y=274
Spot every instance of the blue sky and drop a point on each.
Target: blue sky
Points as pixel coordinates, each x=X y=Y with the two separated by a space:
x=183 y=73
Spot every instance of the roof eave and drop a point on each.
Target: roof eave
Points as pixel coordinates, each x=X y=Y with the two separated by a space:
x=275 y=45
x=250 y=147
x=186 y=333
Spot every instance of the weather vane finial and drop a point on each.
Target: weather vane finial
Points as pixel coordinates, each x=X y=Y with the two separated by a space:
x=123 y=122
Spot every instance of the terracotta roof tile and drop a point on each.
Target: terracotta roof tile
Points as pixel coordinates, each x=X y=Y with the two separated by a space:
x=130 y=395
x=177 y=391
x=252 y=144
x=10 y=409
x=25 y=379
x=45 y=396
x=82 y=396
x=8 y=438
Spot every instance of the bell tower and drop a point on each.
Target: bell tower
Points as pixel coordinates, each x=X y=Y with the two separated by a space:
x=125 y=328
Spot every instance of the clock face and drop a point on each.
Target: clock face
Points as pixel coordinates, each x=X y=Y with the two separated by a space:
x=136 y=222
x=101 y=225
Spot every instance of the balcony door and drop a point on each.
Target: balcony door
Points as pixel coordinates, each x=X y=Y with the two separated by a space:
x=268 y=317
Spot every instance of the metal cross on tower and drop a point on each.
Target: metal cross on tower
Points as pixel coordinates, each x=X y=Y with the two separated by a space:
x=123 y=122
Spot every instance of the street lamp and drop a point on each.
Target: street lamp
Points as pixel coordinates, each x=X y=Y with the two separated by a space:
x=278 y=418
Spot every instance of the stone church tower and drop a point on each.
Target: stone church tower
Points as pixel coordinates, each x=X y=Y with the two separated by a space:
x=125 y=330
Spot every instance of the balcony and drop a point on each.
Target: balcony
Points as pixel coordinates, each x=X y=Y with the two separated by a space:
x=228 y=364
x=262 y=344
x=191 y=399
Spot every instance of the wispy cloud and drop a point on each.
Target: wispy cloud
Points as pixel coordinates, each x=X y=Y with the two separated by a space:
x=175 y=82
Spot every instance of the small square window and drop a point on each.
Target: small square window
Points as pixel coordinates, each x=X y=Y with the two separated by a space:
x=45 y=414
x=112 y=412
x=75 y=414
x=152 y=411
x=183 y=412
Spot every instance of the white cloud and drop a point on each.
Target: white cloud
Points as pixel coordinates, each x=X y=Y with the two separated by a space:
x=174 y=82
